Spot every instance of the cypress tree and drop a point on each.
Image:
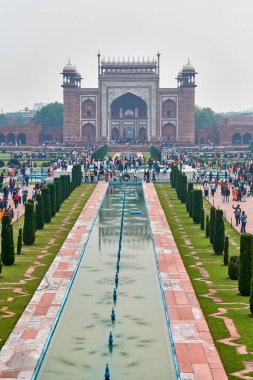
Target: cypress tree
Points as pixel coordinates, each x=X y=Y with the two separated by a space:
x=178 y=189
x=207 y=226
x=183 y=190
x=57 y=194
x=190 y=203
x=46 y=205
x=197 y=205
x=68 y=185
x=19 y=242
x=51 y=187
x=233 y=268
x=226 y=255
x=211 y=224
x=29 y=230
x=202 y=219
x=251 y=297
x=63 y=187
x=39 y=212
x=219 y=233
x=7 y=242
x=189 y=189
x=245 y=267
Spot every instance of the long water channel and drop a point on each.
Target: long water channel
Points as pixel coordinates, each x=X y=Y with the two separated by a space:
x=141 y=347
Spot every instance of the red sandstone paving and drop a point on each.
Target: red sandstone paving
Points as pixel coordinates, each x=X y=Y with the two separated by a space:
x=229 y=212
x=19 y=355
x=197 y=356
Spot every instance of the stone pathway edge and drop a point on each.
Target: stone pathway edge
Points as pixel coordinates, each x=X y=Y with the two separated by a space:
x=196 y=353
x=22 y=351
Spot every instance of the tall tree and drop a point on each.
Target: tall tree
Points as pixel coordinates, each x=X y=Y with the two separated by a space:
x=29 y=228
x=7 y=242
x=246 y=264
x=51 y=115
x=219 y=233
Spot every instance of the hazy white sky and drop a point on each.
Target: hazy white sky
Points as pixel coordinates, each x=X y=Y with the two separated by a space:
x=38 y=36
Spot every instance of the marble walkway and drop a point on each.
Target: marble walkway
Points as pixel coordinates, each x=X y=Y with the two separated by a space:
x=197 y=356
x=21 y=352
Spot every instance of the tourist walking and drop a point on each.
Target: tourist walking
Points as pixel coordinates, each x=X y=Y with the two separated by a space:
x=243 y=222
x=237 y=213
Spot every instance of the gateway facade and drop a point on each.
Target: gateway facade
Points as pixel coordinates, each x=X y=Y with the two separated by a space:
x=128 y=105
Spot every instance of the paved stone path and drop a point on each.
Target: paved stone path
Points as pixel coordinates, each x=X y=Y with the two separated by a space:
x=229 y=212
x=21 y=352
x=196 y=353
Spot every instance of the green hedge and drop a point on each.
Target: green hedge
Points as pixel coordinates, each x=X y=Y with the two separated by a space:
x=46 y=204
x=212 y=224
x=219 y=233
x=58 y=196
x=39 y=212
x=7 y=242
x=183 y=188
x=29 y=228
x=52 y=191
x=197 y=205
x=246 y=264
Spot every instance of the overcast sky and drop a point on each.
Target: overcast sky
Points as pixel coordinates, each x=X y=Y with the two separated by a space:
x=38 y=36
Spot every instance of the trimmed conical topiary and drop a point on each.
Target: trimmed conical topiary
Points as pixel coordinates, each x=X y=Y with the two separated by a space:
x=63 y=187
x=219 y=233
x=57 y=183
x=7 y=242
x=207 y=226
x=251 y=297
x=189 y=189
x=46 y=205
x=211 y=224
x=246 y=262
x=233 y=268
x=183 y=190
x=39 y=212
x=29 y=230
x=19 y=242
x=197 y=205
x=190 y=203
x=202 y=219
x=51 y=187
x=226 y=255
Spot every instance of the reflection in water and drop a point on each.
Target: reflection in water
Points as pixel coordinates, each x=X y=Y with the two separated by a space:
x=141 y=350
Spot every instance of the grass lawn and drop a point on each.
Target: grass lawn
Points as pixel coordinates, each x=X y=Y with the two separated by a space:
x=19 y=281
x=198 y=257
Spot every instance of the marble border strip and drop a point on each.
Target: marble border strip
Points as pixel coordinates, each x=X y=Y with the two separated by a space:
x=21 y=353
x=196 y=353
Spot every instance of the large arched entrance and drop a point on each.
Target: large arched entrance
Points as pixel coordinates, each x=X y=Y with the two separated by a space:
x=2 y=138
x=236 y=138
x=21 y=139
x=10 y=139
x=128 y=109
x=115 y=134
x=247 y=138
x=88 y=132
x=129 y=135
x=169 y=132
x=142 y=134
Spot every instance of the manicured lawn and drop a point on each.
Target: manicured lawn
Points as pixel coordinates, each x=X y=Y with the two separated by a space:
x=19 y=281
x=212 y=280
